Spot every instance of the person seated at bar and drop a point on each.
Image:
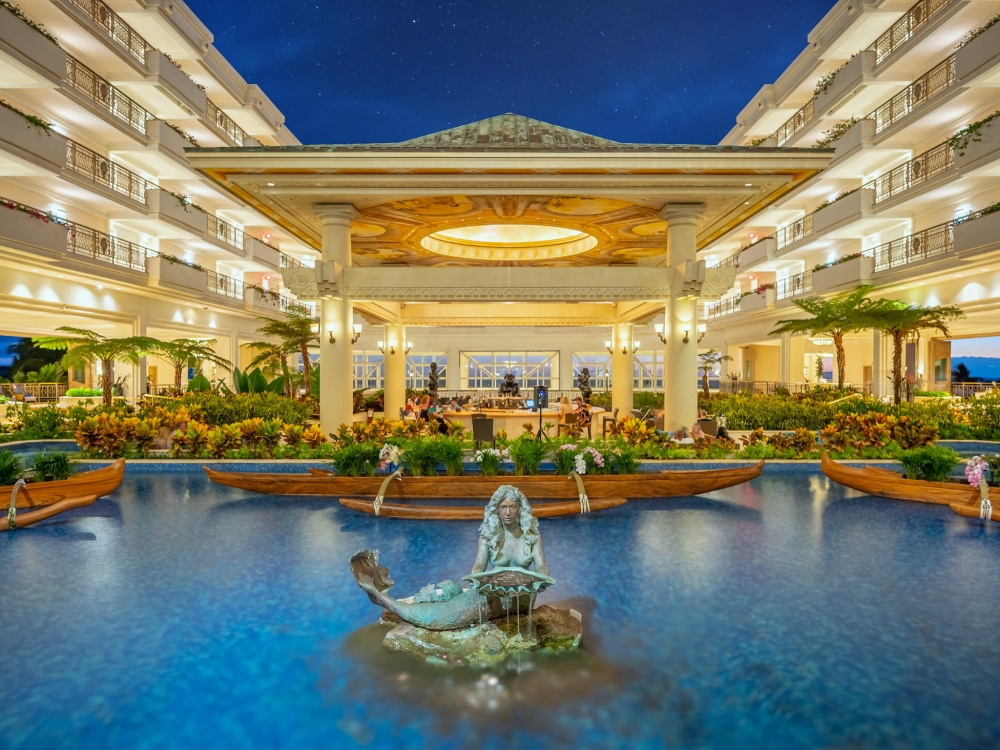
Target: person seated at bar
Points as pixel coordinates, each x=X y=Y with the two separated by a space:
x=696 y=432
x=454 y=404
x=565 y=407
x=583 y=415
x=683 y=436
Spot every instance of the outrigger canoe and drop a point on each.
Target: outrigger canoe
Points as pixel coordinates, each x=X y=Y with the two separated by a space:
x=20 y=520
x=97 y=483
x=469 y=512
x=544 y=487
x=891 y=484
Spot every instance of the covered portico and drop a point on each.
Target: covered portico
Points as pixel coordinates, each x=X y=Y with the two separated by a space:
x=509 y=221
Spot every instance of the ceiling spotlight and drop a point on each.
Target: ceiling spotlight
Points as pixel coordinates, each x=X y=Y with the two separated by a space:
x=270 y=184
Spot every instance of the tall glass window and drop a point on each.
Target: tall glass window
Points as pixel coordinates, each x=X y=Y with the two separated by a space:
x=647 y=369
x=485 y=371
x=418 y=369
x=369 y=370
x=599 y=366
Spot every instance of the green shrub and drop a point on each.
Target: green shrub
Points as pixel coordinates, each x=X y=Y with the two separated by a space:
x=357 y=459
x=81 y=392
x=602 y=399
x=55 y=464
x=199 y=384
x=647 y=400
x=931 y=463
x=219 y=410
x=488 y=460
x=420 y=456
x=623 y=458
x=527 y=454
x=449 y=452
x=564 y=456
x=11 y=468
x=38 y=424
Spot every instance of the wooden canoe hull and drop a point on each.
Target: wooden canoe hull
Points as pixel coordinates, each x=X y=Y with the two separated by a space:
x=471 y=513
x=545 y=487
x=98 y=483
x=974 y=511
x=61 y=506
x=885 y=483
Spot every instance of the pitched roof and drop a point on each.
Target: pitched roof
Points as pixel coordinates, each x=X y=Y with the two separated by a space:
x=508 y=132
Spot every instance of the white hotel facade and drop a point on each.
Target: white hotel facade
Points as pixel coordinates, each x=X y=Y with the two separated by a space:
x=888 y=85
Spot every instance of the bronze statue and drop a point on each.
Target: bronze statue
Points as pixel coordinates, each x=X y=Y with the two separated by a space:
x=584 y=383
x=432 y=382
x=509 y=386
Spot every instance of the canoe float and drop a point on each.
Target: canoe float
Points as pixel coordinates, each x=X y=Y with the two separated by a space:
x=20 y=520
x=469 y=512
x=545 y=487
x=98 y=483
x=891 y=484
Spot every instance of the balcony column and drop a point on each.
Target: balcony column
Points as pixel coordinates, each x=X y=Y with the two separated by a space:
x=140 y=373
x=622 y=369
x=786 y=358
x=336 y=380
x=394 y=346
x=680 y=357
x=880 y=368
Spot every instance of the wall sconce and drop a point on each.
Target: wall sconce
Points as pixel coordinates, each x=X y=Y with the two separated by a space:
x=357 y=333
x=686 y=339
x=329 y=330
x=702 y=330
x=406 y=349
x=607 y=345
x=635 y=346
x=659 y=332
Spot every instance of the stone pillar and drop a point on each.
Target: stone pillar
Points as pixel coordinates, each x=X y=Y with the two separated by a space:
x=880 y=367
x=336 y=315
x=140 y=373
x=622 y=368
x=395 y=369
x=786 y=358
x=680 y=358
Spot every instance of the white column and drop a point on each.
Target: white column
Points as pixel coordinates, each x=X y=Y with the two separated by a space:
x=394 y=347
x=879 y=367
x=336 y=406
x=786 y=358
x=139 y=373
x=680 y=358
x=622 y=368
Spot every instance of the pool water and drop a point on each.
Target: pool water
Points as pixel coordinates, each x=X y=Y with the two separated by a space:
x=785 y=612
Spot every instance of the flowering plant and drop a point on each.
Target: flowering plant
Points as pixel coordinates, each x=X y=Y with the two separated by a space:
x=489 y=460
x=977 y=466
x=388 y=456
x=596 y=460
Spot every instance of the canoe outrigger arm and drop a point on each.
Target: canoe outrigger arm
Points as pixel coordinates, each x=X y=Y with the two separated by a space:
x=12 y=511
x=584 y=500
x=985 y=507
x=397 y=474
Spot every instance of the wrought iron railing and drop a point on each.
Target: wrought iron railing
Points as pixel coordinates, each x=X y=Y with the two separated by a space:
x=939 y=159
x=224 y=231
x=41 y=391
x=937 y=79
x=794 y=285
x=726 y=306
x=932 y=241
x=98 y=90
x=287 y=261
x=104 y=247
x=225 y=285
x=796 y=122
x=225 y=123
x=733 y=261
x=116 y=28
x=968 y=390
x=791 y=233
x=102 y=170
x=904 y=29
x=766 y=387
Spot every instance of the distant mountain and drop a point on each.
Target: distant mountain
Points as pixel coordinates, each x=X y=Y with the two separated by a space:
x=987 y=368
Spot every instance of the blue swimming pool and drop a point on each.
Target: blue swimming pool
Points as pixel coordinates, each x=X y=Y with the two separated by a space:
x=787 y=612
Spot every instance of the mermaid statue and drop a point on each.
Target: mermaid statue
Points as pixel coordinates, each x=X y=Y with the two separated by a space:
x=502 y=581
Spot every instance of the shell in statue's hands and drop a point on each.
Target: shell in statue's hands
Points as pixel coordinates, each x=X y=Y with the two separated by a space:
x=508 y=581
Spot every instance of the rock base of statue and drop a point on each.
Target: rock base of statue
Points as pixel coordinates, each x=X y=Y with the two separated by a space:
x=547 y=630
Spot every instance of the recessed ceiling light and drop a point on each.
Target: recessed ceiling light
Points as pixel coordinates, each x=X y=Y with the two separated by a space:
x=118 y=288
x=746 y=203
x=747 y=184
x=985 y=270
x=34 y=270
x=958 y=275
x=100 y=286
x=270 y=184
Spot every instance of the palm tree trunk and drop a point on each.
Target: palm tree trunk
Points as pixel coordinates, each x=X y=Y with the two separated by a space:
x=897 y=367
x=178 y=369
x=107 y=379
x=838 y=343
x=307 y=369
x=704 y=383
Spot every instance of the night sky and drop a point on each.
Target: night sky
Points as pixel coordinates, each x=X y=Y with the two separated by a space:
x=356 y=71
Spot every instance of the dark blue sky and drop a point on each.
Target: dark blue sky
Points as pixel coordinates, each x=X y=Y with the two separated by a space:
x=358 y=71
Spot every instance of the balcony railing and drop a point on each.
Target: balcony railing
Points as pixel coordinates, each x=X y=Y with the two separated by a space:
x=939 y=159
x=904 y=29
x=115 y=27
x=795 y=231
x=796 y=122
x=932 y=241
x=100 y=169
x=726 y=306
x=795 y=285
x=104 y=247
x=225 y=123
x=766 y=387
x=225 y=231
x=287 y=261
x=95 y=88
x=937 y=79
x=225 y=285
x=968 y=390
x=41 y=391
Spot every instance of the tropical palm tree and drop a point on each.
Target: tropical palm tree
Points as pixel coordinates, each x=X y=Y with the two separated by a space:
x=87 y=347
x=182 y=353
x=834 y=317
x=272 y=359
x=900 y=321
x=707 y=362
x=297 y=332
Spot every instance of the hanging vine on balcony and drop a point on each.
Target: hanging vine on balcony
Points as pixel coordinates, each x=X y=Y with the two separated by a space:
x=844 y=194
x=837 y=262
x=977 y=32
x=47 y=217
x=757 y=141
x=33 y=121
x=971 y=134
x=177 y=65
x=836 y=132
x=184 y=135
x=265 y=293
x=36 y=26
x=826 y=81
x=186 y=203
x=173 y=259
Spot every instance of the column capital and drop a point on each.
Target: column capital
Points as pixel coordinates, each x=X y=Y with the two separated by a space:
x=682 y=213
x=336 y=213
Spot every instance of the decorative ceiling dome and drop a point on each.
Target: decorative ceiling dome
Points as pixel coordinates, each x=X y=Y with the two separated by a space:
x=509 y=242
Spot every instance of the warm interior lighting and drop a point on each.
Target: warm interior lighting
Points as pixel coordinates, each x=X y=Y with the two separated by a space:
x=357 y=333
x=821 y=340
x=329 y=330
x=505 y=242
x=509 y=234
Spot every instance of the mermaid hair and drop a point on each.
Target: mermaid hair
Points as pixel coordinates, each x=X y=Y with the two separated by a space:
x=491 y=528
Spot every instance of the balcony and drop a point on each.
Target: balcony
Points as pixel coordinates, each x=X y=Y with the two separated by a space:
x=980 y=155
x=287 y=261
x=166 y=90
x=172 y=275
x=763 y=249
x=846 y=209
x=850 y=273
x=793 y=286
x=104 y=96
x=914 y=248
x=978 y=232
x=103 y=247
x=795 y=123
x=906 y=28
x=791 y=234
x=102 y=171
x=262 y=252
x=759 y=299
x=28 y=58
x=120 y=32
x=931 y=83
x=225 y=286
x=168 y=208
x=225 y=124
x=34 y=150
x=31 y=230
x=256 y=300
x=223 y=233
x=938 y=160
x=727 y=306
x=858 y=72
x=978 y=56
